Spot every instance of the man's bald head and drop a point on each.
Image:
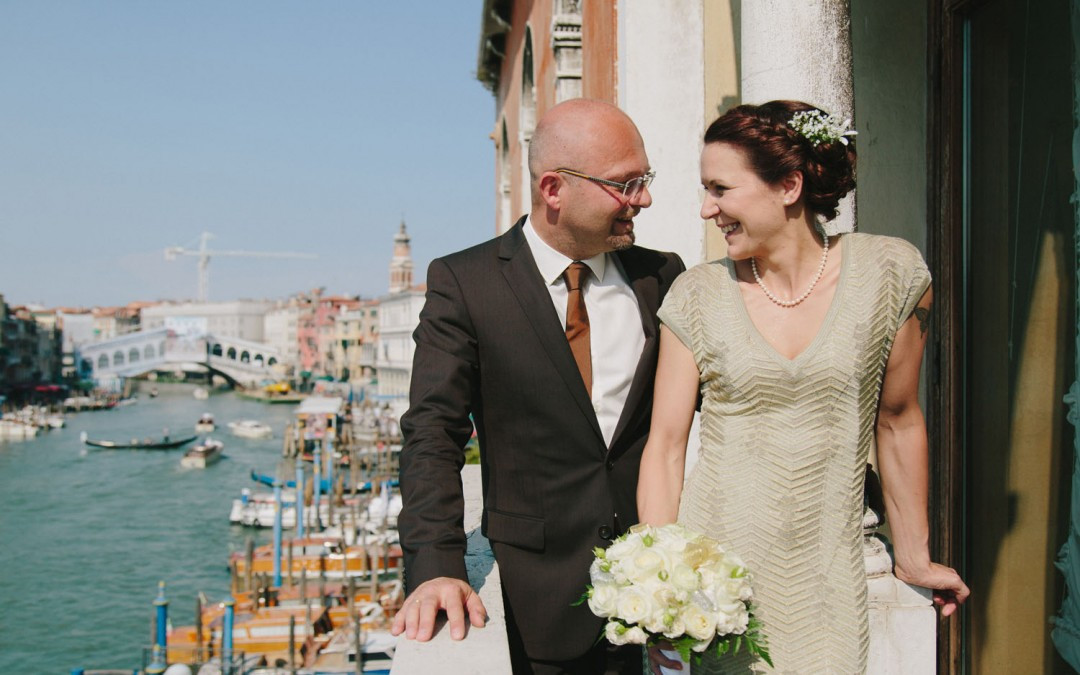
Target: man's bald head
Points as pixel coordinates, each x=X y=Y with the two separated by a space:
x=573 y=133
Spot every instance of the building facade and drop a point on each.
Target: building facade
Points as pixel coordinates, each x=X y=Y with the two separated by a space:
x=241 y=319
x=30 y=349
x=967 y=123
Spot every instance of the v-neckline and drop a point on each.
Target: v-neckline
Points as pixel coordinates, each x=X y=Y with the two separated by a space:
x=834 y=308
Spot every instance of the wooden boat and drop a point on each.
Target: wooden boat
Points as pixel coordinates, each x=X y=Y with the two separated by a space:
x=323 y=624
x=165 y=443
x=203 y=454
x=315 y=556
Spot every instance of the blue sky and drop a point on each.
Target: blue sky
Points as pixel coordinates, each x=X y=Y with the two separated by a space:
x=126 y=127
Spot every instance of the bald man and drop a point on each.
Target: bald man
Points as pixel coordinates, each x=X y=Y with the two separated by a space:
x=554 y=362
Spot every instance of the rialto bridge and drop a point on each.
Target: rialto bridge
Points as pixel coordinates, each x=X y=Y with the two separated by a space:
x=239 y=361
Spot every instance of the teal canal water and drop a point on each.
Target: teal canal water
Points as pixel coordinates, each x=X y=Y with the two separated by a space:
x=86 y=534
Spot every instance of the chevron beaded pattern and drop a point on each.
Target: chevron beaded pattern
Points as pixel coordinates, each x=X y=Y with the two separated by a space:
x=784 y=445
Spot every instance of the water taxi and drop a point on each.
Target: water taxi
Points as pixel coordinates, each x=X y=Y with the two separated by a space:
x=251 y=429
x=205 y=424
x=203 y=454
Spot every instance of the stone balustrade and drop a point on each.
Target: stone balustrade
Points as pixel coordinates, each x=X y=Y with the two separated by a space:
x=902 y=618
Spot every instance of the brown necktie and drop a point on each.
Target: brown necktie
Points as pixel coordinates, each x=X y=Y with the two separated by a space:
x=577 y=320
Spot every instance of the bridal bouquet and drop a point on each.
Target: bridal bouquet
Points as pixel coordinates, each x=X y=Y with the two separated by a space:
x=671 y=584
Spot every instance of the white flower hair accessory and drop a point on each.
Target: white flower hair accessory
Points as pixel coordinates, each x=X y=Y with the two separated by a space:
x=819 y=127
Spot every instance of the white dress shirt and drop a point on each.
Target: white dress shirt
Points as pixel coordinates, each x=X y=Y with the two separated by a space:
x=616 y=336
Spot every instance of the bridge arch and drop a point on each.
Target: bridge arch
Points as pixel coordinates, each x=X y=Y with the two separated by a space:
x=245 y=357
x=216 y=349
x=259 y=360
x=148 y=353
x=133 y=355
x=103 y=361
x=118 y=358
x=231 y=354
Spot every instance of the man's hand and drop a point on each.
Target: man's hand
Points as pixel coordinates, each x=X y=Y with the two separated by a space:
x=658 y=659
x=416 y=618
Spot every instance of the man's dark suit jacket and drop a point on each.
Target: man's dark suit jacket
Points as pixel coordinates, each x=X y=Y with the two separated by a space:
x=490 y=344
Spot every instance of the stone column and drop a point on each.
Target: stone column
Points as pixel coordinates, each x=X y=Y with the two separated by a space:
x=903 y=620
x=566 y=45
x=801 y=50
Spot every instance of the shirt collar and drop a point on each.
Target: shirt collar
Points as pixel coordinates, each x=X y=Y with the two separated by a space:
x=552 y=264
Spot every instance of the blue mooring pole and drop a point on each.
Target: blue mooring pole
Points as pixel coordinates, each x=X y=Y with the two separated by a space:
x=317 y=485
x=277 y=533
x=227 y=636
x=162 y=616
x=300 y=495
x=159 y=660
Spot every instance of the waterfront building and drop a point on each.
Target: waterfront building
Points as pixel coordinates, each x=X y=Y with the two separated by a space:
x=315 y=330
x=241 y=319
x=110 y=322
x=399 y=315
x=29 y=349
x=355 y=330
x=280 y=327
x=77 y=329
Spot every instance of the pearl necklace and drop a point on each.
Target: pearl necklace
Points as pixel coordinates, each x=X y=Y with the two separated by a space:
x=792 y=303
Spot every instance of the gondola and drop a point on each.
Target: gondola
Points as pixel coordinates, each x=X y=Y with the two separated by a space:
x=165 y=443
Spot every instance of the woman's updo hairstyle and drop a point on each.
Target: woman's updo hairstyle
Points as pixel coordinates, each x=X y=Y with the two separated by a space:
x=775 y=149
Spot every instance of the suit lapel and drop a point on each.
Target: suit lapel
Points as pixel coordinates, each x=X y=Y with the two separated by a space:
x=525 y=283
x=647 y=292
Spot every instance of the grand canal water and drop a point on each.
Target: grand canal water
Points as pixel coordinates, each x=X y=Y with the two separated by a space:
x=85 y=534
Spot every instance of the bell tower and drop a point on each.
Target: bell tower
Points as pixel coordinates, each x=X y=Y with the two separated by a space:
x=401 y=266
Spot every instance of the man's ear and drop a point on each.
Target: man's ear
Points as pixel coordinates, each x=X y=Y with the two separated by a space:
x=551 y=185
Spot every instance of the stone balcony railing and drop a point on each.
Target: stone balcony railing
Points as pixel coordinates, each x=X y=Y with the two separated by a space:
x=902 y=618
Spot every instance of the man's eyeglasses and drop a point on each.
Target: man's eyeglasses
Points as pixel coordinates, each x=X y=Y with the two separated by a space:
x=630 y=189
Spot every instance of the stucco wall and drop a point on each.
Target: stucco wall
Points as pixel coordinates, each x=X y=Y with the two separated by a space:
x=888 y=43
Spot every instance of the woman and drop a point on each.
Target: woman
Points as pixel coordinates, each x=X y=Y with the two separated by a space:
x=805 y=350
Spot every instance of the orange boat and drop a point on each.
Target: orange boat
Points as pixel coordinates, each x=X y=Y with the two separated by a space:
x=264 y=631
x=314 y=557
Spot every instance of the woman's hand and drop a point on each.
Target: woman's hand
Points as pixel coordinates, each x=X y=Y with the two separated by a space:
x=949 y=589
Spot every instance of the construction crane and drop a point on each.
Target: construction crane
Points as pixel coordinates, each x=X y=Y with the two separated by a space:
x=204 y=254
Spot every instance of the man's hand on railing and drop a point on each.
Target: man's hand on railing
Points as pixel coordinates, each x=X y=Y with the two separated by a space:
x=416 y=618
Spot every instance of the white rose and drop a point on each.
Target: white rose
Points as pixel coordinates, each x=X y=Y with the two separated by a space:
x=633 y=606
x=684 y=577
x=615 y=633
x=602 y=601
x=733 y=619
x=625 y=548
x=676 y=629
x=646 y=564
x=635 y=636
x=700 y=625
x=598 y=575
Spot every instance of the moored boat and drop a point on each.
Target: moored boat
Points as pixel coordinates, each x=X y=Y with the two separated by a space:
x=202 y=454
x=17 y=430
x=315 y=556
